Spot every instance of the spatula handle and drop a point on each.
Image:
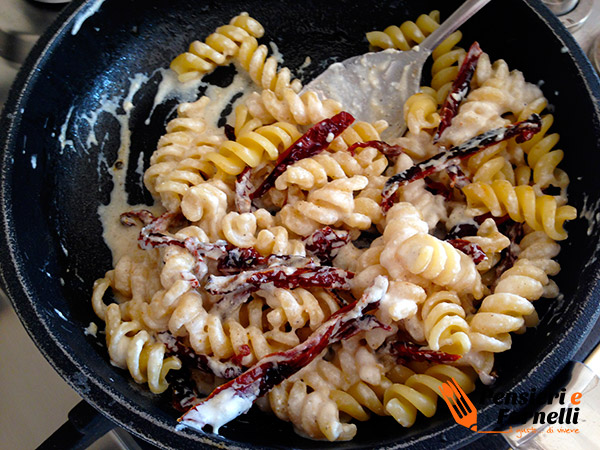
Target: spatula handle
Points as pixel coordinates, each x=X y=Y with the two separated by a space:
x=450 y=25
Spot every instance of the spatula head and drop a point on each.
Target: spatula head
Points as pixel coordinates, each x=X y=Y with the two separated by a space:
x=374 y=86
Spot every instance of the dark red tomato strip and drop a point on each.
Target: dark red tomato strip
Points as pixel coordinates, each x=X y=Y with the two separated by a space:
x=407 y=351
x=515 y=233
x=391 y=151
x=280 y=276
x=325 y=243
x=236 y=260
x=437 y=188
x=469 y=248
x=243 y=189
x=237 y=396
x=522 y=131
x=315 y=140
x=460 y=89
x=457 y=177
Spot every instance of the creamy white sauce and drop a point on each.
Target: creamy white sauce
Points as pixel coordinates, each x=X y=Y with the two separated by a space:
x=300 y=71
x=120 y=239
x=91 y=10
x=62 y=138
x=276 y=53
x=91 y=330
x=217 y=411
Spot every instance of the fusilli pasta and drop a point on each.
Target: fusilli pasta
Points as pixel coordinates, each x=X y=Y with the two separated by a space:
x=279 y=233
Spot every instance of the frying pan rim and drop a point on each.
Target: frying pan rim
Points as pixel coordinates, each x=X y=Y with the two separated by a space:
x=13 y=275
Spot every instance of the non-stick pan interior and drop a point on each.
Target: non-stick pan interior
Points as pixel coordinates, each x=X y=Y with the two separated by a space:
x=54 y=177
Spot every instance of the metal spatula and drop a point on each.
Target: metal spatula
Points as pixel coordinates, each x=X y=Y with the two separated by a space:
x=376 y=85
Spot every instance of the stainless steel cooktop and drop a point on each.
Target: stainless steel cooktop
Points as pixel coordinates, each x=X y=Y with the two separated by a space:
x=34 y=400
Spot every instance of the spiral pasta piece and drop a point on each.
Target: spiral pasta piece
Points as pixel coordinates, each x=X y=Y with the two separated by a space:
x=291 y=107
x=407 y=35
x=438 y=261
x=179 y=160
x=421 y=111
x=403 y=221
x=431 y=207
x=317 y=171
x=367 y=267
x=446 y=57
x=364 y=380
x=241 y=334
x=276 y=241
x=254 y=147
x=217 y=50
x=333 y=204
x=313 y=413
x=313 y=398
x=522 y=204
x=207 y=204
x=262 y=70
x=508 y=309
x=131 y=347
x=420 y=392
x=358 y=132
x=491 y=241
x=293 y=310
x=244 y=121
x=241 y=229
x=537 y=248
x=543 y=158
x=500 y=93
x=477 y=162
x=444 y=321
x=132 y=280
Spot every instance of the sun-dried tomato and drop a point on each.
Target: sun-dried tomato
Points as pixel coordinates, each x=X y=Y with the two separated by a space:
x=325 y=243
x=521 y=131
x=407 y=351
x=315 y=140
x=469 y=248
x=460 y=89
x=271 y=370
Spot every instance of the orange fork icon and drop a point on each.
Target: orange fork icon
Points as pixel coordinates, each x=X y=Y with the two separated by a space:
x=461 y=407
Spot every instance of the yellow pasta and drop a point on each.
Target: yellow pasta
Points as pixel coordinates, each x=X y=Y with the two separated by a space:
x=435 y=260
x=179 y=161
x=522 y=204
x=446 y=57
x=419 y=393
x=263 y=70
x=230 y=276
x=291 y=107
x=131 y=347
x=254 y=147
x=444 y=322
x=217 y=50
x=332 y=204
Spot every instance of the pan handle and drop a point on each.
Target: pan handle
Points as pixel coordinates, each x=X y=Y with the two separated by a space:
x=84 y=427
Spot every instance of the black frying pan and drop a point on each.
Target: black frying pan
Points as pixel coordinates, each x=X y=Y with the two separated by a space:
x=51 y=248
